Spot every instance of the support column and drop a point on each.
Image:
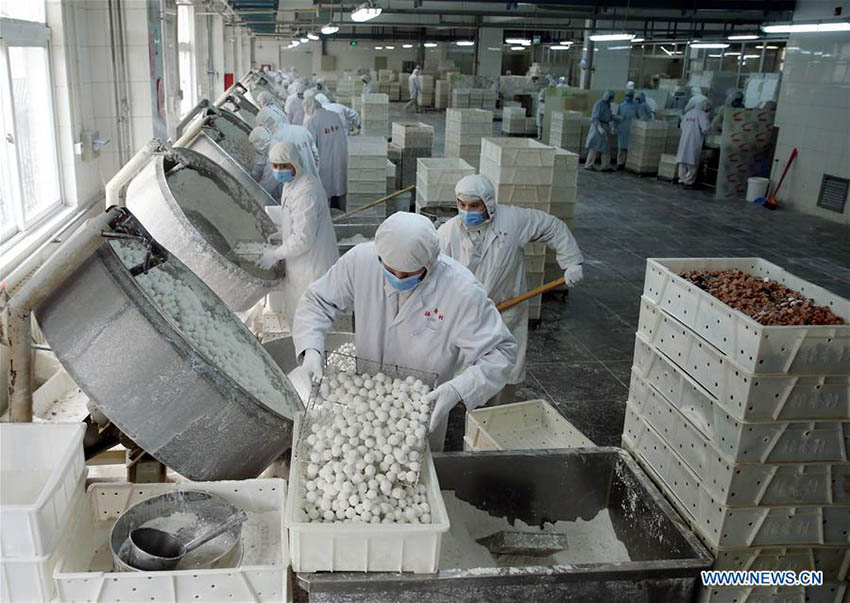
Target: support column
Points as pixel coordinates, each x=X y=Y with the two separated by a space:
x=489 y=52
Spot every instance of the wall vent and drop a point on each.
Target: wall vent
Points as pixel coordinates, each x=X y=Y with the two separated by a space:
x=833 y=193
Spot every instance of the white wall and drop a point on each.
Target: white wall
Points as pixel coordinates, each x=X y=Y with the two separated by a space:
x=306 y=57
x=610 y=65
x=813 y=112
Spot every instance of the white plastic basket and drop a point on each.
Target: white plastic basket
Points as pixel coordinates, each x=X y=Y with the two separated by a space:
x=798 y=350
x=83 y=575
x=529 y=425
x=41 y=466
x=662 y=341
x=518 y=152
x=361 y=547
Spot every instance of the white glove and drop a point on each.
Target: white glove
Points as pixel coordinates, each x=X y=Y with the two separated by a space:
x=313 y=364
x=574 y=275
x=444 y=399
x=268 y=259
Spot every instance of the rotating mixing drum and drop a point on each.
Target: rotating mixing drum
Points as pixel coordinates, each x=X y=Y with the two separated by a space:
x=160 y=355
x=242 y=108
x=207 y=217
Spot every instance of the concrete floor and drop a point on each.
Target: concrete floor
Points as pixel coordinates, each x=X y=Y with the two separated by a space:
x=580 y=356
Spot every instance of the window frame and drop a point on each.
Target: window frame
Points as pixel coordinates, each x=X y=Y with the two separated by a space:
x=15 y=34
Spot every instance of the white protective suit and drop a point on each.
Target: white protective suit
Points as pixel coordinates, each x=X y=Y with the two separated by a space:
x=350 y=117
x=696 y=100
x=265 y=101
x=294 y=109
x=328 y=130
x=695 y=126
x=298 y=135
x=261 y=169
x=309 y=244
x=444 y=319
x=493 y=251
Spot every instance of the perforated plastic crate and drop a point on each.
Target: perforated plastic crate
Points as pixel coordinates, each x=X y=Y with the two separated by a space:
x=529 y=425
x=517 y=152
x=663 y=341
x=832 y=561
x=799 y=350
x=512 y=194
x=83 y=575
x=514 y=175
x=831 y=592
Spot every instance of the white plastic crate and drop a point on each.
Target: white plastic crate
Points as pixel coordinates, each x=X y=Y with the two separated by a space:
x=412 y=134
x=513 y=194
x=262 y=575
x=827 y=593
x=534 y=263
x=367 y=146
x=469 y=115
x=564 y=179
x=366 y=174
x=361 y=547
x=378 y=187
x=530 y=425
x=564 y=211
x=741 y=393
x=518 y=152
x=41 y=466
x=832 y=561
x=798 y=350
x=723 y=527
x=365 y=162
x=682 y=448
x=375 y=99
x=514 y=175
x=563 y=195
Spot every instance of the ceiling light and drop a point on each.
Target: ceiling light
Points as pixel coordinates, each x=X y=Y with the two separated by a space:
x=559 y=47
x=465 y=43
x=517 y=47
x=430 y=44
x=365 y=12
x=407 y=45
x=518 y=41
x=379 y=47
x=312 y=36
x=751 y=56
x=715 y=56
x=330 y=29
x=615 y=37
x=304 y=40
x=389 y=47
x=710 y=45
x=637 y=40
x=743 y=37
x=733 y=54
x=807 y=27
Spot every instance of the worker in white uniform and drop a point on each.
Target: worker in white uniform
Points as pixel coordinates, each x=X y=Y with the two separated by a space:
x=350 y=117
x=697 y=99
x=562 y=82
x=294 y=109
x=261 y=168
x=369 y=87
x=297 y=135
x=265 y=99
x=541 y=104
x=695 y=126
x=489 y=238
x=414 y=88
x=328 y=130
x=415 y=308
x=309 y=244
x=601 y=121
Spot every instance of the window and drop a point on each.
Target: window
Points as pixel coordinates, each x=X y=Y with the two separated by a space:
x=186 y=57
x=29 y=165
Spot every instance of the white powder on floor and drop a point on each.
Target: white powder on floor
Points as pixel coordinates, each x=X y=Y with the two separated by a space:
x=592 y=541
x=209 y=326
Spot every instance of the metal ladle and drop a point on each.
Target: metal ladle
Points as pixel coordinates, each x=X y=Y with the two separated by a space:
x=156 y=550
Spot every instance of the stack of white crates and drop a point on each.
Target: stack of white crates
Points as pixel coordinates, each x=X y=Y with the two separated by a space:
x=346 y=88
x=531 y=126
x=667 y=167
x=671 y=139
x=436 y=178
x=426 y=96
x=367 y=174
x=441 y=94
x=357 y=105
x=464 y=130
x=42 y=495
x=522 y=172
x=385 y=75
x=476 y=96
x=646 y=144
x=375 y=117
x=566 y=128
x=460 y=98
x=415 y=140
x=488 y=99
x=513 y=120
x=746 y=427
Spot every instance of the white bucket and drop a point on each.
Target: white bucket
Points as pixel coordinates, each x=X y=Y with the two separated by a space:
x=757 y=187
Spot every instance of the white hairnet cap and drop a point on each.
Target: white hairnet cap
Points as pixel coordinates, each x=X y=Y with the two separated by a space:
x=299 y=87
x=286 y=152
x=474 y=187
x=323 y=100
x=269 y=118
x=264 y=98
x=310 y=104
x=260 y=137
x=407 y=242
x=630 y=85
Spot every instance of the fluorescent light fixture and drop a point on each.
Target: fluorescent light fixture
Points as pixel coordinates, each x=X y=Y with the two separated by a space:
x=365 y=12
x=768 y=47
x=517 y=47
x=559 y=47
x=330 y=29
x=743 y=37
x=615 y=37
x=430 y=45
x=379 y=47
x=407 y=45
x=807 y=27
x=710 y=45
x=389 y=47
x=465 y=43
x=715 y=56
x=751 y=56
x=304 y=40
x=638 y=40
x=312 y=36
x=733 y=54
x=518 y=41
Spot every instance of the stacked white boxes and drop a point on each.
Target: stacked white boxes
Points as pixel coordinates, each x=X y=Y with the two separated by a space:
x=567 y=129
x=357 y=105
x=394 y=155
x=441 y=94
x=513 y=120
x=367 y=174
x=476 y=96
x=415 y=140
x=522 y=172
x=385 y=75
x=346 y=88
x=375 y=116
x=426 y=95
x=395 y=92
x=646 y=144
x=464 y=130
x=531 y=126
x=667 y=167
x=488 y=99
x=436 y=178
x=746 y=427
x=460 y=98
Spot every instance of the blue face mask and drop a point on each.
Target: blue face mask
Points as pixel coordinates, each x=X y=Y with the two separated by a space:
x=471 y=218
x=284 y=175
x=402 y=284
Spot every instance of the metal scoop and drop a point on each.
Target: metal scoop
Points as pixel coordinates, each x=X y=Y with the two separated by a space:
x=526 y=544
x=156 y=550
